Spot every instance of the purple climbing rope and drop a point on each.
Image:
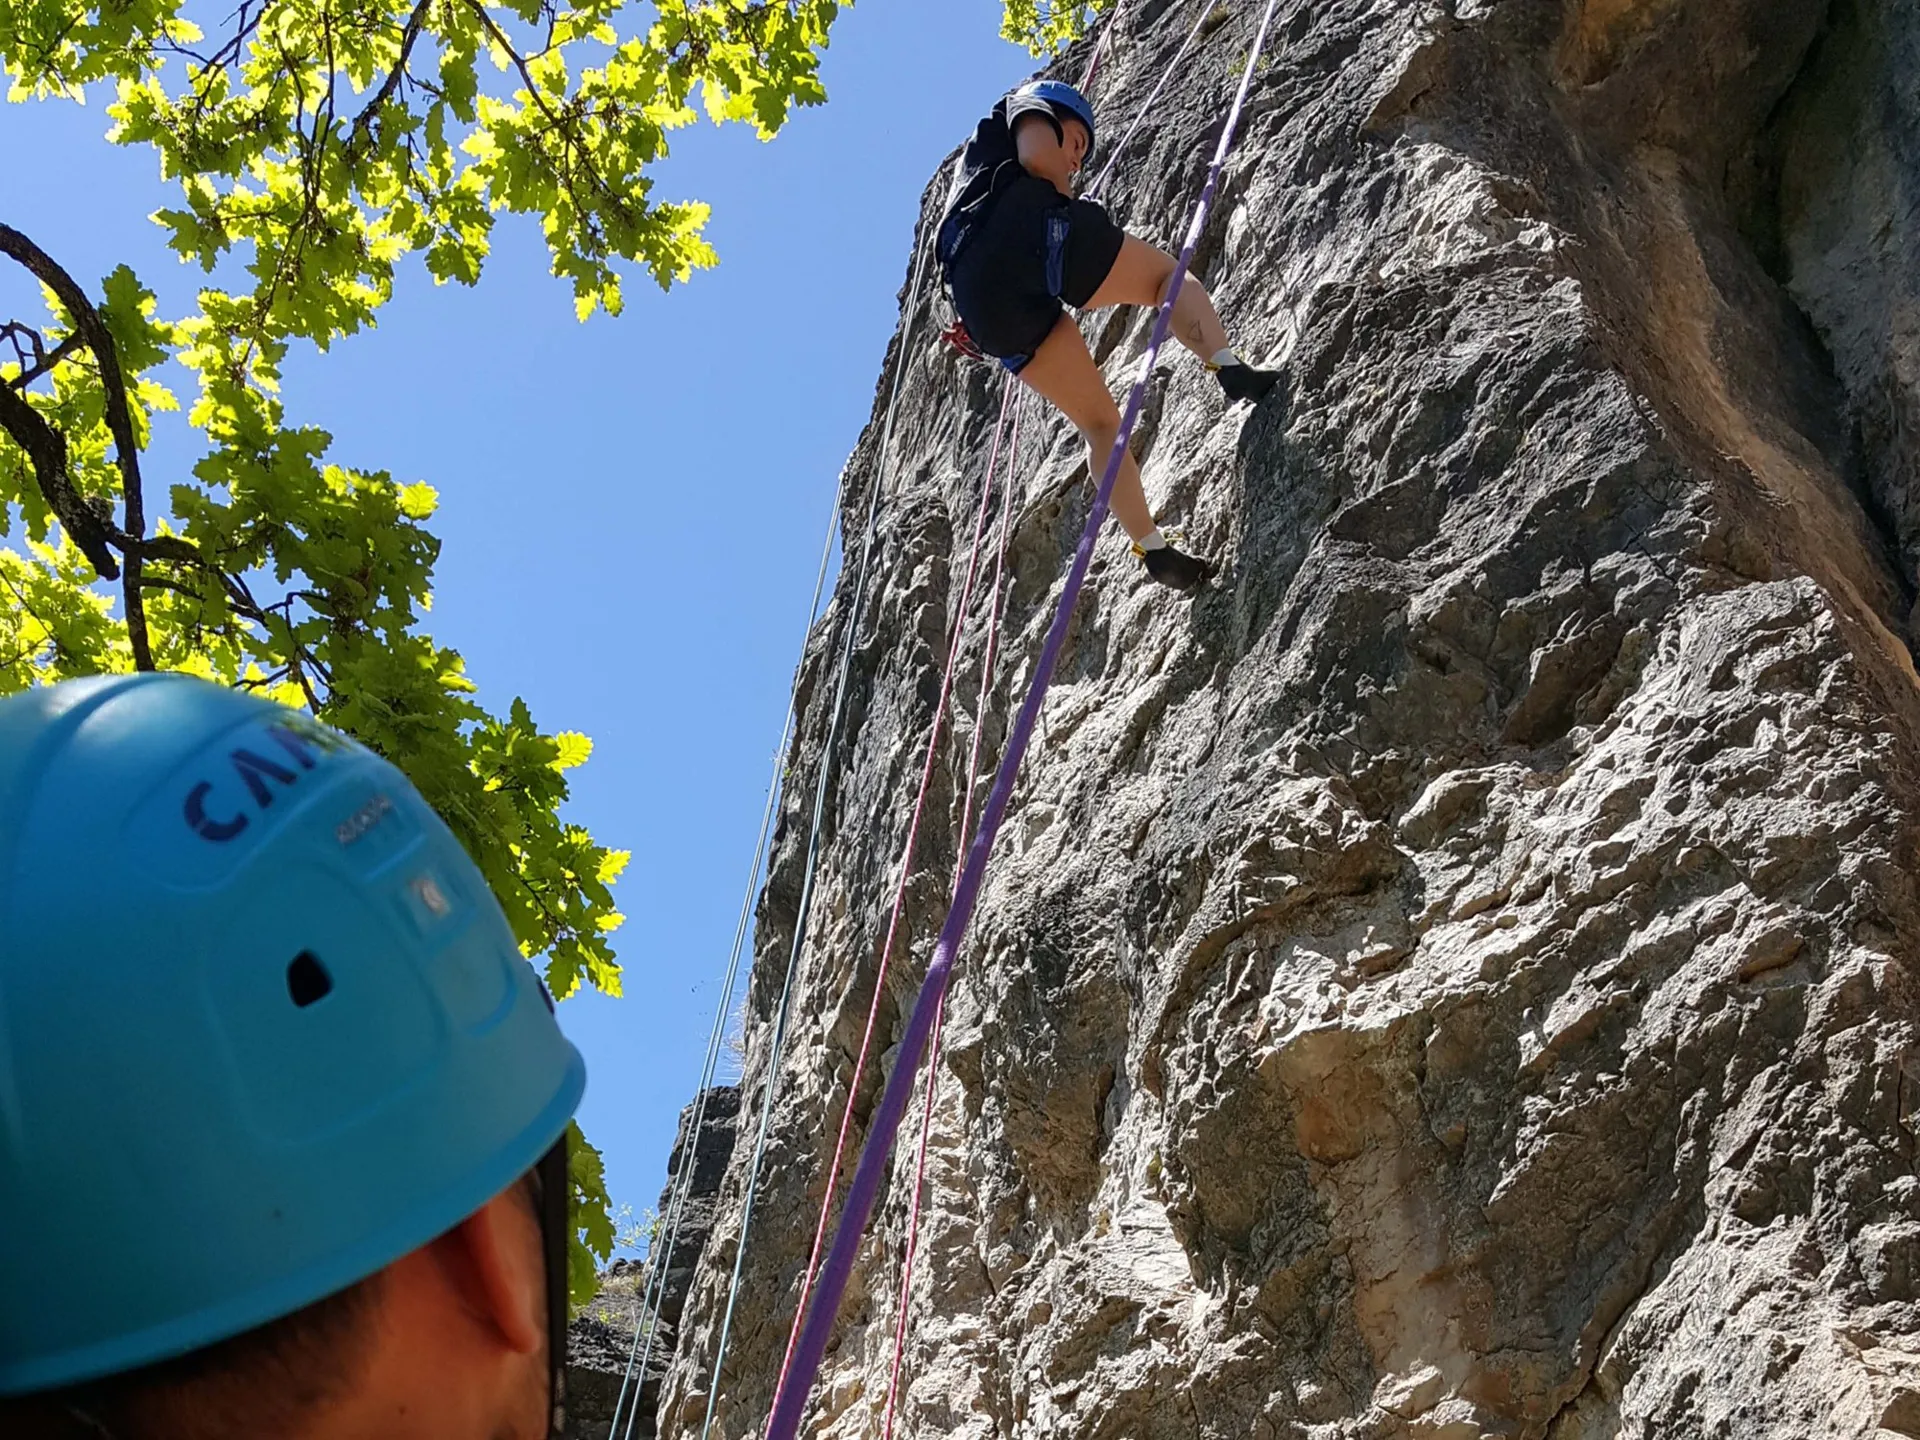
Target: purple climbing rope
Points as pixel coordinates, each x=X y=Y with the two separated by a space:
x=790 y=1401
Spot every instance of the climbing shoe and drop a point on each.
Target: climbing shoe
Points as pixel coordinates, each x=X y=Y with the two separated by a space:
x=1244 y=382
x=1171 y=568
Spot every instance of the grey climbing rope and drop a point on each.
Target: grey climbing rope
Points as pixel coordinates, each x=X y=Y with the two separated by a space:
x=1207 y=8
x=660 y=1257
x=868 y=546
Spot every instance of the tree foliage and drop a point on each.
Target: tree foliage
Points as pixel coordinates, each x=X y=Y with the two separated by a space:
x=1046 y=26
x=317 y=146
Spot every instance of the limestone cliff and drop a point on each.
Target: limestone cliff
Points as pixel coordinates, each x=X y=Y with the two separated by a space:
x=1456 y=976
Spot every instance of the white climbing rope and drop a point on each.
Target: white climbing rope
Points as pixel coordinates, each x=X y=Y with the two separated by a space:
x=783 y=1012
x=1207 y=8
x=902 y=363
x=660 y=1257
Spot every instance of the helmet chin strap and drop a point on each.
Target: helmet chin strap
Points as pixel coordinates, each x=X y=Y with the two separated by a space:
x=556 y=1194
x=555 y=1183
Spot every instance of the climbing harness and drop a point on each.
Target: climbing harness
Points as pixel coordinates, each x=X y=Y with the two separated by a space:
x=957 y=336
x=791 y=1398
x=660 y=1254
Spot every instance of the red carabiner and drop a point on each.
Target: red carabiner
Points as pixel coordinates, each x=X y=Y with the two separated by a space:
x=956 y=335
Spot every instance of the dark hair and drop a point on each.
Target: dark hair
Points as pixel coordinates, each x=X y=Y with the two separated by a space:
x=264 y=1382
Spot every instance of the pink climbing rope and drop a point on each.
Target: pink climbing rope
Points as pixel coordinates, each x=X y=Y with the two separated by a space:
x=900 y=890
x=939 y=1020
x=908 y=1260
x=1100 y=48
x=846 y=1114
x=797 y=1384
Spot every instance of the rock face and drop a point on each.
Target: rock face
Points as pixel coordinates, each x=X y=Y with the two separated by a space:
x=1455 y=977
x=600 y=1340
x=708 y=1152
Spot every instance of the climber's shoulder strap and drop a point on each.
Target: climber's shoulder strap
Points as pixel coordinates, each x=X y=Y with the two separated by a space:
x=964 y=218
x=988 y=164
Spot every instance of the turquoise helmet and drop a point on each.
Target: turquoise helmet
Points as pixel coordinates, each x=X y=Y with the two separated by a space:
x=263 y=1028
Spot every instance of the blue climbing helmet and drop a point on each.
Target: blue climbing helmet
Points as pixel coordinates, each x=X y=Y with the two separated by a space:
x=263 y=1028
x=1055 y=99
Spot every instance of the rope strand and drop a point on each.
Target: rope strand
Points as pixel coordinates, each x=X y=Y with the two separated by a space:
x=869 y=546
x=912 y=1239
x=791 y=1401
x=1146 y=106
x=966 y=821
x=653 y=1298
x=906 y=874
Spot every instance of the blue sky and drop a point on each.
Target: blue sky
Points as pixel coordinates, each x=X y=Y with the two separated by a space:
x=631 y=509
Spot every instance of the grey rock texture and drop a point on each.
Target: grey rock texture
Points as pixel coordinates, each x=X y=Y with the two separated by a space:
x=600 y=1339
x=1842 y=159
x=1456 y=976
x=599 y=1347
x=708 y=1152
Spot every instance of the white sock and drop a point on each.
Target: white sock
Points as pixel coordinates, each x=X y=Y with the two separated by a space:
x=1223 y=358
x=1153 y=540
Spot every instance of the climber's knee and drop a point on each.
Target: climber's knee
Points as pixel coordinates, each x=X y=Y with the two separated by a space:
x=1100 y=433
x=1139 y=276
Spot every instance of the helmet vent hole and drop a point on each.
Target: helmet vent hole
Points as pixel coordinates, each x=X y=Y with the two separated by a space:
x=308 y=980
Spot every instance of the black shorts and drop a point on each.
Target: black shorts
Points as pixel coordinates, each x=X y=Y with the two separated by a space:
x=1034 y=249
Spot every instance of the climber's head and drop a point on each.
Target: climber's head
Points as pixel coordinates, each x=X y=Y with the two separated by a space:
x=1045 y=113
x=282 y=1108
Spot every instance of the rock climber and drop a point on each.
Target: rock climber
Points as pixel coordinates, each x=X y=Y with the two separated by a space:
x=282 y=1108
x=1015 y=245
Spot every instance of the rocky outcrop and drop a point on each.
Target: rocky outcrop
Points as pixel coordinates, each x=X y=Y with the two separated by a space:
x=600 y=1339
x=1841 y=162
x=708 y=1152
x=1455 y=977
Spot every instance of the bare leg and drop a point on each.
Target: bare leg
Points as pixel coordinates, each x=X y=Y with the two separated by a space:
x=1140 y=276
x=1063 y=371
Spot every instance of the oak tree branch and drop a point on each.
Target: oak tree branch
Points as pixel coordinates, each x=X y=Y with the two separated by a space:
x=113 y=385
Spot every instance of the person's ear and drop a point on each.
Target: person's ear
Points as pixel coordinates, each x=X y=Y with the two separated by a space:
x=494 y=1259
